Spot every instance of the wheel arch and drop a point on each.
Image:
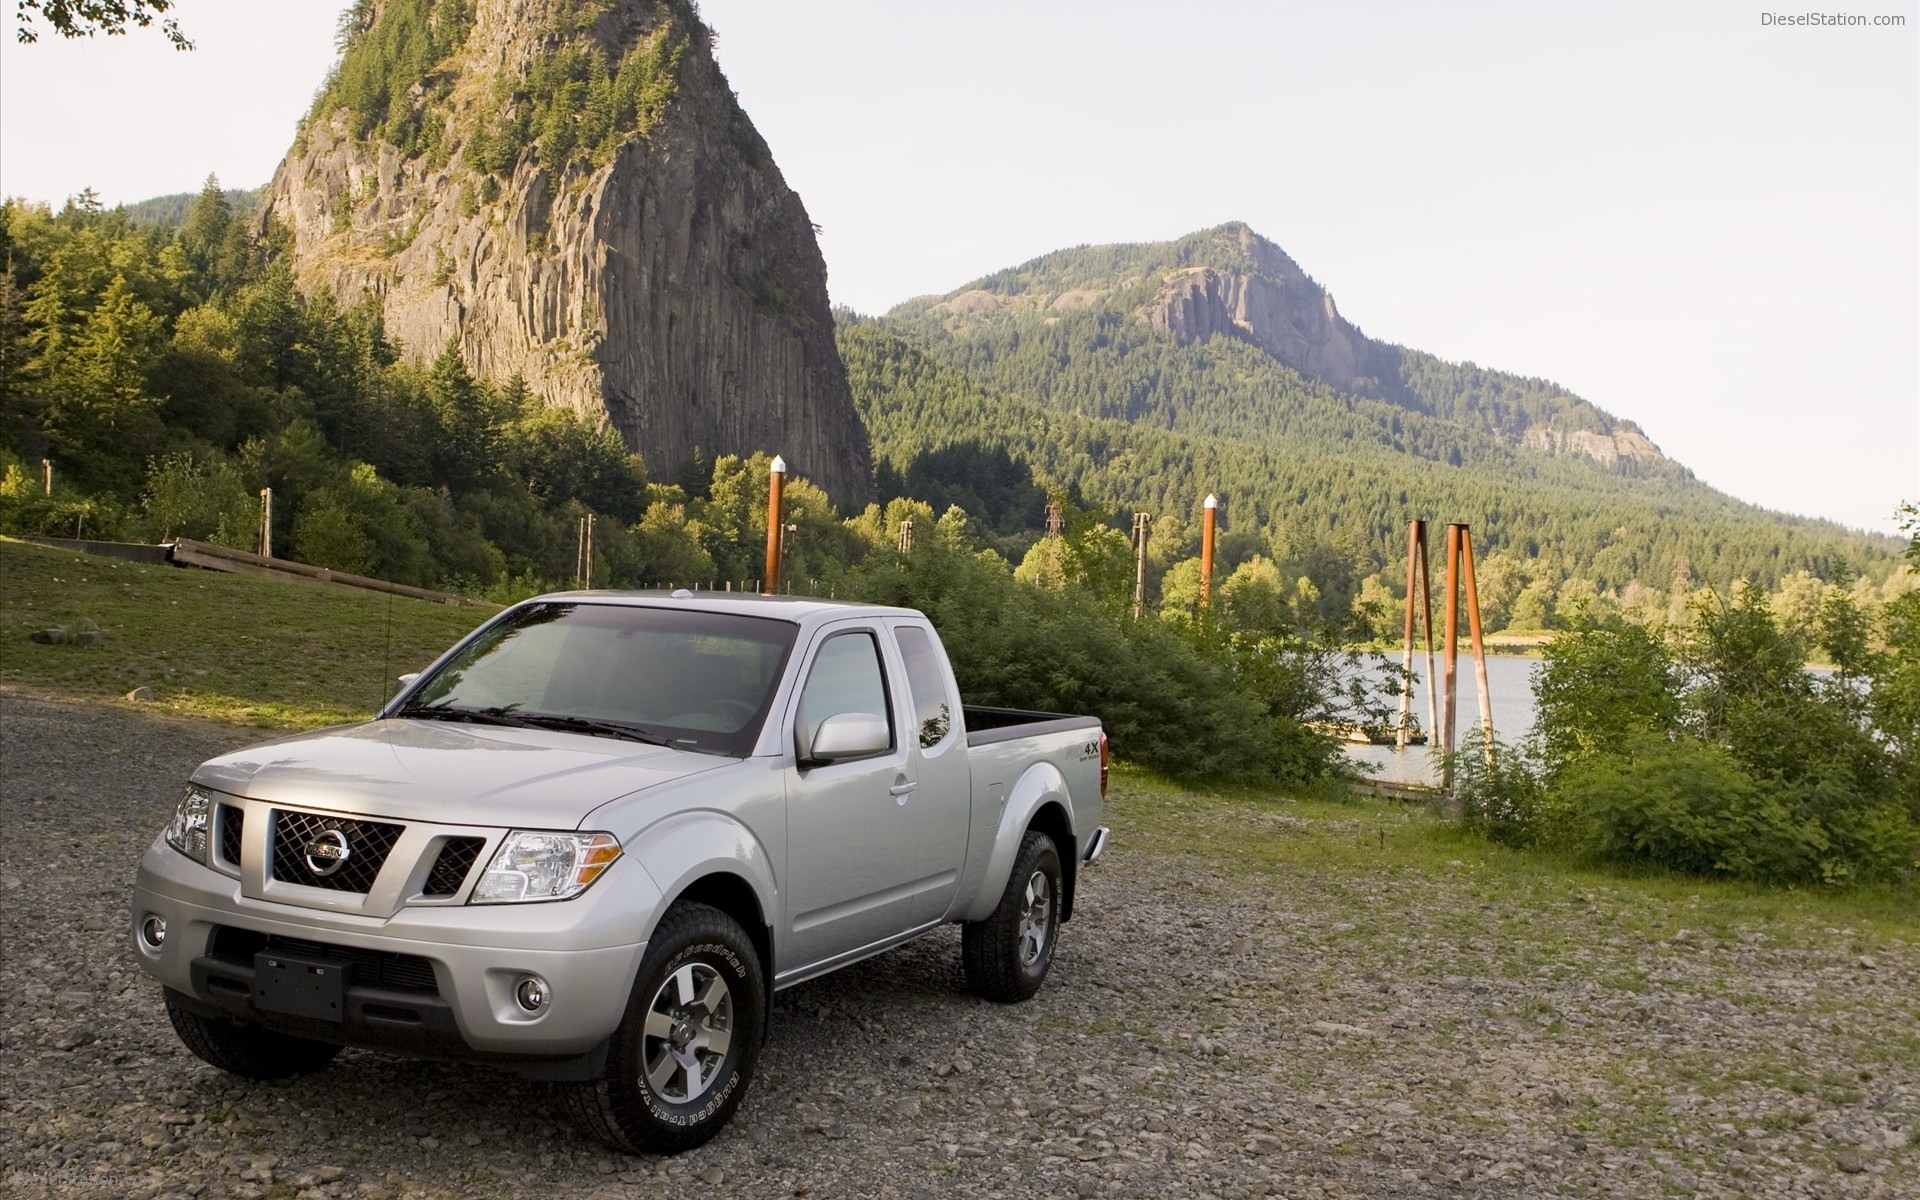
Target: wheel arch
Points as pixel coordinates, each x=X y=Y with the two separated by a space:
x=710 y=858
x=1051 y=819
x=733 y=895
x=1038 y=801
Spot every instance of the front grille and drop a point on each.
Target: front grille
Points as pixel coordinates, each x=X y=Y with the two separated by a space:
x=371 y=968
x=368 y=843
x=450 y=869
x=232 y=823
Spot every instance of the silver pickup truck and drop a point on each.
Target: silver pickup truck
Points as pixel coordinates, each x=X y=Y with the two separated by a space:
x=592 y=839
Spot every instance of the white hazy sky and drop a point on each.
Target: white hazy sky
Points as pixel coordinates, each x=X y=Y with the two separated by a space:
x=1705 y=224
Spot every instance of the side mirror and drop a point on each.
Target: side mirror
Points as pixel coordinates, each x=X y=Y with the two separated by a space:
x=407 y=679
x=847 y=735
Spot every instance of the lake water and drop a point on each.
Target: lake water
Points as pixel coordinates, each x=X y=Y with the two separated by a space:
x=1510 y=686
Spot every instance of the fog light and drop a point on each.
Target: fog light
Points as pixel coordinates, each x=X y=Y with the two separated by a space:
x=153 y=931
x=531 y=993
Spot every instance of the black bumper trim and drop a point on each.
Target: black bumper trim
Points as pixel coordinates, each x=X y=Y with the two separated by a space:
x=407 y=1023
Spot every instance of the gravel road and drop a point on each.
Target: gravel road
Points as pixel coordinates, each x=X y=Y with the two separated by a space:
x=1203 y=1034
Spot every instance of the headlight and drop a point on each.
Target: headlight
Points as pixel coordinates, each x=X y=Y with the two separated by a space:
x=533 y=865
x=192 y=817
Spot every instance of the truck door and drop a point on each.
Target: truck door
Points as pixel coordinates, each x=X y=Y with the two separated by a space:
x=851 y=849
x=941 y=800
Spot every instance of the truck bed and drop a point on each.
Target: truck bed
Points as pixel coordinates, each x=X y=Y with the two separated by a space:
x=986 y=725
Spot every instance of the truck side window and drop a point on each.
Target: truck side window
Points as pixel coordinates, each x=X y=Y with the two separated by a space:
x=932 y=712
x=846 y=678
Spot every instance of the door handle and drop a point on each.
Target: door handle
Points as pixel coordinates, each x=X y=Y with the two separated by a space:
x=899 y=790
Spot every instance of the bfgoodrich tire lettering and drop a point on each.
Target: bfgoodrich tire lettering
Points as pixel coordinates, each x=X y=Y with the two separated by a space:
x=246 y=1049
x=685 y=1052
x=1007 y=956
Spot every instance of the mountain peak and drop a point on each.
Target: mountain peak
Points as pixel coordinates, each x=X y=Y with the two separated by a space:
x=1230 y=282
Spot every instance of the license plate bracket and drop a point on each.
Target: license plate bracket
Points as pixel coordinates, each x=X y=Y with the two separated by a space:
x=301 y=986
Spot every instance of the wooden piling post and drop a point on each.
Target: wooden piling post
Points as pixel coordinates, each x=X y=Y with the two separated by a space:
x=776 y=481
x=1141 y=521
x=266 y=522
x=1206 y=550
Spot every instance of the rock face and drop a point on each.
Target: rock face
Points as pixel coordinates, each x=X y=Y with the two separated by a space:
x=1272 y=303
x=669 y=281
x=1278 y=308
x=1617 y=451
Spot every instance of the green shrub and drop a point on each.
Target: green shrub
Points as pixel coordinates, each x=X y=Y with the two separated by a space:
x=1603 y=682
x=1686 y=805
x=1500 y=793
x=1167 y=698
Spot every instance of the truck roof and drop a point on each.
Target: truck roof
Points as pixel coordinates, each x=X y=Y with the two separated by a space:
x=750 y=604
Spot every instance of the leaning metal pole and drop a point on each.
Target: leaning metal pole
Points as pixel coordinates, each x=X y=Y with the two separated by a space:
x=1426 y=600
x=1450 y=696
x=1479 y=645
x=1406 y=640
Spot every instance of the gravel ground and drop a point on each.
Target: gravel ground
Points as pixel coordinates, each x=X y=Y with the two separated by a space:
x=1295 y=1033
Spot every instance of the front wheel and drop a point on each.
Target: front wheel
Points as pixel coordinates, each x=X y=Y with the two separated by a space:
x=1008 y=954
x=684 y=1054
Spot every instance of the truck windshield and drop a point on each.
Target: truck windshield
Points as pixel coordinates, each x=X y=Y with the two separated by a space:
x=694 y=680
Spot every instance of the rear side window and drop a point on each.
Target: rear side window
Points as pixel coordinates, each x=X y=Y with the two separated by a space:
x=846 y=678
x=932 y=707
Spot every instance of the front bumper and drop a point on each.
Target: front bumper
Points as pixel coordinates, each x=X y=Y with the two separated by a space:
x=431 y=980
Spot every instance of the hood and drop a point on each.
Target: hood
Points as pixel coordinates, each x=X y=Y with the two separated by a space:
x=450 y=773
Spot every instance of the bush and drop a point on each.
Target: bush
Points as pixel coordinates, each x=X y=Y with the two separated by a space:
x=1729 y=757
x=1687 y=805
x=1604 y=681
x=1500 y=793
x=1167 y=698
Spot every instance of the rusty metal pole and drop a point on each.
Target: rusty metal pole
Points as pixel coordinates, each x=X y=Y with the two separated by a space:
x=1479 y=645
x=1206 y=551
x=1449 y=699
x=776 y=480
x=1406 y=641
x=1141 y=522
x=1433 y=678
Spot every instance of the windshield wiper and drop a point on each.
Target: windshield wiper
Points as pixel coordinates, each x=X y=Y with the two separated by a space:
x=618 y=729
x=474 y=716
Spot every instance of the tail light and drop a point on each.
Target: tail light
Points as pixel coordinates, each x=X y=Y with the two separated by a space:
x=1104 y=755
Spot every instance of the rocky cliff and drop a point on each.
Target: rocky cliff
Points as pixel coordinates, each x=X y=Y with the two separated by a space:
x=569 y=190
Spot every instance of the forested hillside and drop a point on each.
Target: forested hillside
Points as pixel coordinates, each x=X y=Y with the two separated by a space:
x=170 y=211
x=1077 y=369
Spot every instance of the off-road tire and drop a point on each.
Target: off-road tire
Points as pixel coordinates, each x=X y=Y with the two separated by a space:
x=246 y=1049
x=1001 y=961
x=627 y=1111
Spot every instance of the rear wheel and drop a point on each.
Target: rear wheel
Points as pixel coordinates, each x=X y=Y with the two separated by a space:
x=1007 y=956
x=683 y=1056
x=244 y=1048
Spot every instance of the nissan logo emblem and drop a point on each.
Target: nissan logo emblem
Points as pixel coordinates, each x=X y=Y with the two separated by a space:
x=327 y=852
